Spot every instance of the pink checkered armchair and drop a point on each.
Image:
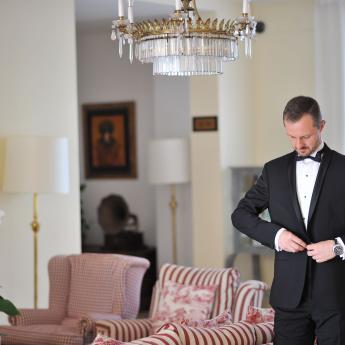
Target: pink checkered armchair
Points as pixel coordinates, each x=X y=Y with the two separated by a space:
x=231 y=294
x=83 y=288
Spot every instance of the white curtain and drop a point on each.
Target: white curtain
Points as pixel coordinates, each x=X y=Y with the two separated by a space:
x=330 y=68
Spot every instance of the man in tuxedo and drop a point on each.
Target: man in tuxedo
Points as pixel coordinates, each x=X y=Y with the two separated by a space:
x=304 y=192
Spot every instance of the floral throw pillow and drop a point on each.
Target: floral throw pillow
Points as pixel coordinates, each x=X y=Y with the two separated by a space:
x=102 y=340
x=260 y=315
x=223 y=319
x=183 y=302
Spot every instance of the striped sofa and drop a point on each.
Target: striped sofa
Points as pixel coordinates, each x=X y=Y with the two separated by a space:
x=82 y=288
x=231 y=294
x=240 y=333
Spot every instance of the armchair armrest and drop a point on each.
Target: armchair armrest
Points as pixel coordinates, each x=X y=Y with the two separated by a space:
x=163 y=337
x=35 y=316
x=240 y=333
x=88 y=321
x=264 y=332
x=249 y=293
x=124 y=330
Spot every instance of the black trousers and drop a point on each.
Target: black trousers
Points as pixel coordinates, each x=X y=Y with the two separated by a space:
x=301 y=325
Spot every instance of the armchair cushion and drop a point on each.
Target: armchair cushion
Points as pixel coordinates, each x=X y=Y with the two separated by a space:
x=226 y=279
x=180 y=302
x=260 y=315
x=224 y=319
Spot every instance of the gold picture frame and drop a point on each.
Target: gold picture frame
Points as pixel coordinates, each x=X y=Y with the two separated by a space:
x=110 y=140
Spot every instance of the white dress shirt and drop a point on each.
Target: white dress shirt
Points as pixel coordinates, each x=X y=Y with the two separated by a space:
x=306 y=174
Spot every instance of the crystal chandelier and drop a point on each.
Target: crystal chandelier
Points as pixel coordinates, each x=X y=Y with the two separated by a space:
x=184 y=44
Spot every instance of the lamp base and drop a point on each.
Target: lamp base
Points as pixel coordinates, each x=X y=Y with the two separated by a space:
x=173 y=209
x=35 y=225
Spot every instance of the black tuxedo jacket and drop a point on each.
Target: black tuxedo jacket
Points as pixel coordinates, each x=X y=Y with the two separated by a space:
x=276 y=190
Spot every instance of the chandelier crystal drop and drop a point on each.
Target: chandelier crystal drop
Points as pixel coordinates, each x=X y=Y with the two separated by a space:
x=184 y=44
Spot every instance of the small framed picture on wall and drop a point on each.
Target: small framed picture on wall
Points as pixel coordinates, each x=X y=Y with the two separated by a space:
x=110 y=140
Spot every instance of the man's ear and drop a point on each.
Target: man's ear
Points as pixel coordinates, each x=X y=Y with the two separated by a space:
x=322 y=125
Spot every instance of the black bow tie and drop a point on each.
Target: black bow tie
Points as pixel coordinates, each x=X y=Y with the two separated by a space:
x=317 y=158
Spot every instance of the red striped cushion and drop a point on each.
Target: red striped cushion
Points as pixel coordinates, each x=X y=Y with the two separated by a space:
x=165 y=337
x=249 y=293
x=264 y=332
x=241 y=333
x=227 y=280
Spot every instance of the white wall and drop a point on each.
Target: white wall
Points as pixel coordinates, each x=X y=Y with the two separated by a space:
x=38 y=96
x=171 y=120
x=283 y=67
x=104 y=77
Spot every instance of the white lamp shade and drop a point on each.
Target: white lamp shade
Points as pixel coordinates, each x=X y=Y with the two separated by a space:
x=35 y=164
x=169 y=161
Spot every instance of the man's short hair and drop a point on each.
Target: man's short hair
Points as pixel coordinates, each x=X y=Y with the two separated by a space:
x=299 y=106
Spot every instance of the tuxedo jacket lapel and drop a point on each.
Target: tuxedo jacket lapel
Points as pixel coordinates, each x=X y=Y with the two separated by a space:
x=327 y=155
x=293 y=190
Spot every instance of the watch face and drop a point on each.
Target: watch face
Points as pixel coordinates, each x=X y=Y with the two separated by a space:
x=338 y=249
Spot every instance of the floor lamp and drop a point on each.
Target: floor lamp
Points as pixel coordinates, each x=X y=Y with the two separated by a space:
x=169 y=164
x=35 y=165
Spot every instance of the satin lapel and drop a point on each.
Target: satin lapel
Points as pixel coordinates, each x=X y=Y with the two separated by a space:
x=319 y=180
x=293 y=191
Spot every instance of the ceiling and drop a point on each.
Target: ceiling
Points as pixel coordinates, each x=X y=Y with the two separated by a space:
x=97 y=15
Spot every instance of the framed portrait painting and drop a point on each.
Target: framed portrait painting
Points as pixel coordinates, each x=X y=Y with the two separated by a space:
x=109 y=140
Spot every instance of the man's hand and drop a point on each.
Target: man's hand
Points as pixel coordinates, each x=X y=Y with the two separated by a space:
x=321 y=251
x=291 y=243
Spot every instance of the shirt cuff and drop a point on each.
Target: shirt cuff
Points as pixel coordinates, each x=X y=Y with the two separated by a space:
x=276 y=239
x=340 y=241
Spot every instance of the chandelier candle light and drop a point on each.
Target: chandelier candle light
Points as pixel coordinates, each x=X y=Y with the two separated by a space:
x=184 y=44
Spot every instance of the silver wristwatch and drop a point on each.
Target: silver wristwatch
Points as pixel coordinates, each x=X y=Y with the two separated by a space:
x=338 y=248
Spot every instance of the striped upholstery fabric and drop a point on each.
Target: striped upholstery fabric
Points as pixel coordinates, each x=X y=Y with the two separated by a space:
x=264 y=332
x=124 y=330
x=241 y=333
x=164 y=337
x=227 y=280
x=249 y=293
x=80 y=284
